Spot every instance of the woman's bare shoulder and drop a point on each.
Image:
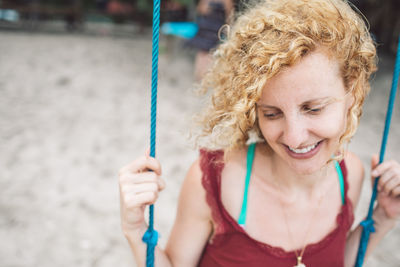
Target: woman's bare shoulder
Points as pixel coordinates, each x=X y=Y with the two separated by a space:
x=355 y=176
x=193 y=213
x=232 y=181
x=193 y=180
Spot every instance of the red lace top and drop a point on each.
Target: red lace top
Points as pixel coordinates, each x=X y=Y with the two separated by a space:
x=231 y=246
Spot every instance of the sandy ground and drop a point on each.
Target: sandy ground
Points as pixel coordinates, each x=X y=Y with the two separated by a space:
x=74 y=109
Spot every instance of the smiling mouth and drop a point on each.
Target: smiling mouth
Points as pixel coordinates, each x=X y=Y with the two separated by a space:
x=304 y=150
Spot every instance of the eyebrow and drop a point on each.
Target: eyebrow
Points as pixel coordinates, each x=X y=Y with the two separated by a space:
x=323 y=101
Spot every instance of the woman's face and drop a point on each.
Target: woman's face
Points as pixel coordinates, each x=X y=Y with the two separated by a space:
x=302 y=112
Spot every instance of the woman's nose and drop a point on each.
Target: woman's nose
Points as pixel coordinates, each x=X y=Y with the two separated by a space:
x=295 y=132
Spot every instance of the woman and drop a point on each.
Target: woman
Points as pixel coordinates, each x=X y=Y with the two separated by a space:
x=294 y=74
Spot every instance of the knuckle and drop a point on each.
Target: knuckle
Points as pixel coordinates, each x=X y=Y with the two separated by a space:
x=124 y=178
x=137 y=201
x=158 y=164
x=125 y=190
x=161 y=185
x=153 y=196
x=387 y=187
x=152 y=176
x=154 y=187
x=131 y=205
x=149 y=198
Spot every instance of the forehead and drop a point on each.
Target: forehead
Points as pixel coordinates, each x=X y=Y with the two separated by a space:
x=315 y=76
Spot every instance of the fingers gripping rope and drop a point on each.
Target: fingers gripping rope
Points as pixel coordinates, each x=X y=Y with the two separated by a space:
x=368 y=223
x=151 y=236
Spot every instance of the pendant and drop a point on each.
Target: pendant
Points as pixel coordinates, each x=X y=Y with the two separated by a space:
x=299 y=263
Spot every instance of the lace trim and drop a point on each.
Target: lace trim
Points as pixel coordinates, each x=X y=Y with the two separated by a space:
x=211 y=165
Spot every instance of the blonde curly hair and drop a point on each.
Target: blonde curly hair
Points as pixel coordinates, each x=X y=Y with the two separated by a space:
x=270 y=36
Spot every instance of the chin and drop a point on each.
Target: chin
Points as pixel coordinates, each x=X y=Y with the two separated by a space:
x=307 y=166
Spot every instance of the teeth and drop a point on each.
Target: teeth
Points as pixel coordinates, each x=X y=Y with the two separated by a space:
x=303 y=150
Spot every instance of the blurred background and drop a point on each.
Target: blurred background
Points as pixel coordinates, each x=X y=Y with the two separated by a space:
x=75 y=108
x=80 y=15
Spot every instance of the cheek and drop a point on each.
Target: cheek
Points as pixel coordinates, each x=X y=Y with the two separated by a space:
x=267 y=130
x=270 y=130
x=333 y=124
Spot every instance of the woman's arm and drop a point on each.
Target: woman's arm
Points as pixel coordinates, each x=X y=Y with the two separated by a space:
x=384 y=219
x=382 y=227
x=139 y=185
x=192 y=226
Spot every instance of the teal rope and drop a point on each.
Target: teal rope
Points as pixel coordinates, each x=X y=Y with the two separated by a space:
x=368 y=223
x=151 y=236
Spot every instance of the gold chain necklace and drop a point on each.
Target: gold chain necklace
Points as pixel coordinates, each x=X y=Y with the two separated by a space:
x=300 y=256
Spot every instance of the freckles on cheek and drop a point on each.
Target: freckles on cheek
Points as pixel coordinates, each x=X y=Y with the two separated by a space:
x=334 y=127
x=333 y=130
x=269 y=132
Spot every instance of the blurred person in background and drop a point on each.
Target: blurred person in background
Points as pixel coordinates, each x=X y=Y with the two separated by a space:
x=212 y=15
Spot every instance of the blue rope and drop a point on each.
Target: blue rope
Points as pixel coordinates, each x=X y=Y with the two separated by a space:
x=151 y=236
x=368 y=223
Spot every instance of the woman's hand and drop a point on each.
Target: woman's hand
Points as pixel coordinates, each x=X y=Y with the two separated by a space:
x=139 y=185
x=388 y=186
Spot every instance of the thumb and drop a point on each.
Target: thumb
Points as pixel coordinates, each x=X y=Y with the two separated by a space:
x=147 y=152
x=374 y=161
x=161 y=184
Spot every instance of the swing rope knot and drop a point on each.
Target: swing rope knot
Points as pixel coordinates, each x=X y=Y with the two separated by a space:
x=150 y=237
x=368 y=225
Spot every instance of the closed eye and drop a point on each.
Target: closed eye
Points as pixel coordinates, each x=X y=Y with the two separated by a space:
x=272 y=115
x=313 y=111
